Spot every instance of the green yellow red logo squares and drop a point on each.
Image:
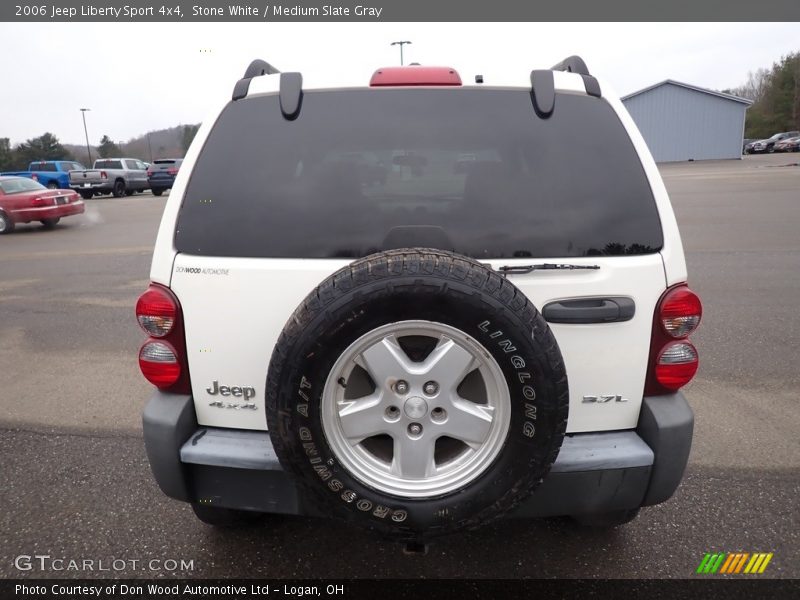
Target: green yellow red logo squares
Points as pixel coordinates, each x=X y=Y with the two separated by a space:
x=727 y=563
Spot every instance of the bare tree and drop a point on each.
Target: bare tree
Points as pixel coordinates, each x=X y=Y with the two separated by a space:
x=755 y=86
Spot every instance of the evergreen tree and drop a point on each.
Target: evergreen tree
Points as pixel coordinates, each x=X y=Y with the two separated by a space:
x=108 y=148
x=44 y=147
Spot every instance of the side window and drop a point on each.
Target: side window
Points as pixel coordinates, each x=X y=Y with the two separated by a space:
x=47 y=167
x=140 y=165
x=131 y=164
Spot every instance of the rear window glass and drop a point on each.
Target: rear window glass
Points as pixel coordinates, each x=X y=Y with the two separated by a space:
x=474 y=171
x=18 y=185
x=43 y=167
x=107 y=164
x=164 y=161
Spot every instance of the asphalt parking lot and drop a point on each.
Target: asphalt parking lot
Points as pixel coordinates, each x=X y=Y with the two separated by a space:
x=76 y=483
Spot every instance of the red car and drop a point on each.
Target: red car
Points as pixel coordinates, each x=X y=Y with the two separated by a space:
x=23 y=200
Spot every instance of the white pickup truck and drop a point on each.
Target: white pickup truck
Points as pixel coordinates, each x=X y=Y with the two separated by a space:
x=116 y=176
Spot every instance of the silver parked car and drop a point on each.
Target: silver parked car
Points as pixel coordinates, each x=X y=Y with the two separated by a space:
x=116 y=176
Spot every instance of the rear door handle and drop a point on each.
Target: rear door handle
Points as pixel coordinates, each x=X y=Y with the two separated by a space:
x=590 y=310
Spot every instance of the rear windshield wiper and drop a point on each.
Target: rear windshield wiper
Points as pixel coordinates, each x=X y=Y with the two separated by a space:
x=522 y=269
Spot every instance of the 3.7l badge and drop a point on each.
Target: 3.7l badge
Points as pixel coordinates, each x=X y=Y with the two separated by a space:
x=603 y=398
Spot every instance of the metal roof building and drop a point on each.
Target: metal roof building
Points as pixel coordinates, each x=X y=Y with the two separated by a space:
x=685 y=122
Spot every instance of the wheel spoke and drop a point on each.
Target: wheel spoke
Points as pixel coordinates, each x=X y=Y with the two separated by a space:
x=448 y=364
x=413 y=458
x=362 y=418
x=385 y=361
x=468 y=422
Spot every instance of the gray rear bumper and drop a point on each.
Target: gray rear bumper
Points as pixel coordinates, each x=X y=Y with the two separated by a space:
x=94 y=187
x=594 y=472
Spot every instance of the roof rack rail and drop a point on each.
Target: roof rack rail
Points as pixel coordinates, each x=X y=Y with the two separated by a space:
x=572 y=64
x=543 y=90
x=290 y=95
x=257 y=68
x=543 y=84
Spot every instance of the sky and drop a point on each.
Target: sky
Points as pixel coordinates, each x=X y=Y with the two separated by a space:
x=139 y=77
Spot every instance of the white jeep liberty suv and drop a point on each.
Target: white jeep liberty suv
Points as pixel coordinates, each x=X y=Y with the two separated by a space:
x=419 y=304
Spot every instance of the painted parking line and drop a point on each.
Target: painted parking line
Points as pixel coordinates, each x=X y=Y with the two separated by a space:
x=73 y=253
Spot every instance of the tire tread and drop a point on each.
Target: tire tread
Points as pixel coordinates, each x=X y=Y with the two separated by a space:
x=427 y=263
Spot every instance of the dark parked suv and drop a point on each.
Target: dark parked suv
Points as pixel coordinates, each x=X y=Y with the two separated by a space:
x=161 y=174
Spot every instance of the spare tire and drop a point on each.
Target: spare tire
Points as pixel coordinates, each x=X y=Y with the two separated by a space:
x=416 y=392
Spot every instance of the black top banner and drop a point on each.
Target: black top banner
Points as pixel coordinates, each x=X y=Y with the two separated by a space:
x=189 y=11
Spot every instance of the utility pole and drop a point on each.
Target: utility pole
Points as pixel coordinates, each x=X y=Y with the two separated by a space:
x=149 y=147
x=401 y=44
x=86 y=133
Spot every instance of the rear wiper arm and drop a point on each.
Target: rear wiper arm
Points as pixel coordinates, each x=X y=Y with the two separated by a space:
x=522 y=269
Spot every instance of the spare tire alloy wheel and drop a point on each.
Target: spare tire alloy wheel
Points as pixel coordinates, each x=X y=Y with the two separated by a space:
x=416 y=407
x=417 y=392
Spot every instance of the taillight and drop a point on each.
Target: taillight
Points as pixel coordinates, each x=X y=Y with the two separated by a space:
x=680 y=312
x=149 y=173
x=159 y=363
x=40 y=201
x=103 y=175
x=162 y=358
x=676 y=365
x=172 y=171
x=673 y=359
x=156 y=311
x=34 y=176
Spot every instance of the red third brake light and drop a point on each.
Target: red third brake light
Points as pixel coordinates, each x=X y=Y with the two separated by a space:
x=162 y=358
x=414 y=75
x=673 y=359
